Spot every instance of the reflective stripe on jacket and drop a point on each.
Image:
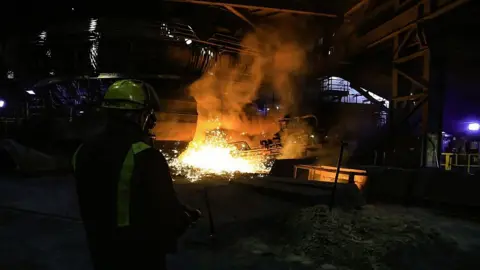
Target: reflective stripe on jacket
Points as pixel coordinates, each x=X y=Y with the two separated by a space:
x=124 y=183
x=125 y=190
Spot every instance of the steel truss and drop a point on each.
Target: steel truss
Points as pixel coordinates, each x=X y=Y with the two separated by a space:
x=234 y=8
x=410 y=62
x=411 y=49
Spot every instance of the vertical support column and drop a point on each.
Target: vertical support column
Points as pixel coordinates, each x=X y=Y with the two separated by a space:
x=424 y=8
x=432 y=114
x=436 y=102
x=394 y=70
x=393 y=104
x=427 y=153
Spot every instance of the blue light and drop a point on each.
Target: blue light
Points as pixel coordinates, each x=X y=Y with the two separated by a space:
x=474 y=126
x=2 y=103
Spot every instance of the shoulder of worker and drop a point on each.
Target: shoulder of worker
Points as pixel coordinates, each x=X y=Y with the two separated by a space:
x=151 y=163
x=145 y=152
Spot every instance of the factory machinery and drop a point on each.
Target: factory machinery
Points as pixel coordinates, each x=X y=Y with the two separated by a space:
x=301 y=130
x=65 y=80
x=396 y=49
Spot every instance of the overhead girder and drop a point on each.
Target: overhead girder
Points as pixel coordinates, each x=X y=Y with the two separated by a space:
x=354 y=9
x=348 y=44
x=408 y=20
x=240 y=15
x=352 y=43
x=409 y=67
x=232 y=7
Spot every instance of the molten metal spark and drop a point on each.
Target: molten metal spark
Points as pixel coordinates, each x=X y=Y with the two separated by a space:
x=215 y=156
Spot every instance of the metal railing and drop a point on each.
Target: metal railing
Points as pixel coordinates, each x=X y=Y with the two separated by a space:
x=462 y=161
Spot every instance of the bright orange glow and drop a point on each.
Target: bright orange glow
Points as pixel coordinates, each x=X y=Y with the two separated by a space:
x=215 y=156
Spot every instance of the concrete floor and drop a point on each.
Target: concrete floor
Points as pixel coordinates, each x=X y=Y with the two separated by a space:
x=40 y=226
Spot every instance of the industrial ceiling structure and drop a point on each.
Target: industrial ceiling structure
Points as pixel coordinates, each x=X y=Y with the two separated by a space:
x=398 y=49
x=346 y=30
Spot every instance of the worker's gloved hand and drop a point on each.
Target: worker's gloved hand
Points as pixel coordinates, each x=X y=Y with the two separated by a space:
x=193 y=214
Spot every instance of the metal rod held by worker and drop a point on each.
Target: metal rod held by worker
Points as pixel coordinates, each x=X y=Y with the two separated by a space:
x=339 y=163
x=209 y=212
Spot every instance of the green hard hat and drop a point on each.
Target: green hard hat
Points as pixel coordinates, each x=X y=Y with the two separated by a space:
x=126 y=95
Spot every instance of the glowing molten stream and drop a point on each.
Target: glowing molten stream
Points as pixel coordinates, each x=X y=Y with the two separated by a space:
x=217 y=159
x=215 y=155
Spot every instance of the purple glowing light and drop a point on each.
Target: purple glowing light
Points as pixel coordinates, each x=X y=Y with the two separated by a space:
x=474 y=126
x=2 y=103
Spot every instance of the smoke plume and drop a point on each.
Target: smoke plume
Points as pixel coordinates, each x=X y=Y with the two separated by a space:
x=226 y=91
x=295 y=137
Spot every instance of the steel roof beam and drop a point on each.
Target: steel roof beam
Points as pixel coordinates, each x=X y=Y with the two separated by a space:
x=250 y=7
x=407 y=20
x=238 y=14
x=359 y=5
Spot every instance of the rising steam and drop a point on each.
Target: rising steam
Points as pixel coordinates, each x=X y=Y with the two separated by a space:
x=234 y=82
x=295 y=137
x=225 y=97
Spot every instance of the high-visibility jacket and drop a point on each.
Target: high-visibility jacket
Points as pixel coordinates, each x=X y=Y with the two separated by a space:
x=125 y=190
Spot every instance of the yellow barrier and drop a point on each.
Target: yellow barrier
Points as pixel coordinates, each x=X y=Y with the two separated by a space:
x=451 y=160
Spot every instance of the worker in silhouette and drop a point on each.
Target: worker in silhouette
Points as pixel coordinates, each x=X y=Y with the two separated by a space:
x=130 y=211
x=277 y=137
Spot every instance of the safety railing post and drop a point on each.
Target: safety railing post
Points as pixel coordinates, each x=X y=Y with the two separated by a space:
x=339 y=163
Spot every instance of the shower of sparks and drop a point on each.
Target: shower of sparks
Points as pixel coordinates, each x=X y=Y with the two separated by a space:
x=215 y=156
x=93 y=25
x=42 y=37
x=94 y=54
x=94 y=38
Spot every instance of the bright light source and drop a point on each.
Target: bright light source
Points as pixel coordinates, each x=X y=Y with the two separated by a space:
x=30 y=92
x=93 y=25
x=94 y=54
x=474 y=126
x=10 y=75
x=2 y=103
x=108 y=75
x=81 y=112
x=43 y=36
x=188 y=41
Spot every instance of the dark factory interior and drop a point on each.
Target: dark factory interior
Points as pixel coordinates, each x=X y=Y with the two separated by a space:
x=299 y=134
